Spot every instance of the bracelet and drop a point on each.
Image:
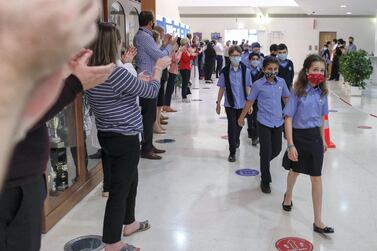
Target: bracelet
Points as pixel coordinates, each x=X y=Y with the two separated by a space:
x=290 y=146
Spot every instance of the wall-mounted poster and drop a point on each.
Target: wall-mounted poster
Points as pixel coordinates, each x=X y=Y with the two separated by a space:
x=199 y=35
x=215 y=35
x=173 y=27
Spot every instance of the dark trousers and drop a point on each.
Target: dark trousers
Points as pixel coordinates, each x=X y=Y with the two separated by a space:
x=161 y=93
x=21 y=216
x=219 y=61
x=185 y=81
x=270 y=140
x=200 y=65
x=124 y=154
x=234 y=130
x=148 y=111
x=227 y=61
x=335 y=70
x=106 y=168
x=252 y=123
x=208 y=69
x=169 y=89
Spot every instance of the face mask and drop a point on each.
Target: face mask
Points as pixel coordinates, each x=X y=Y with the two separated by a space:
x=270 y=74
x=254 y=63
x=235 y=60
x=316 y=78
x=283 y=56
x=350 y=42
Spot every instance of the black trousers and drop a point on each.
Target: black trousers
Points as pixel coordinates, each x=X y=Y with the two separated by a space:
x=234 y=130
x=270 y=140
x=170 y=89
x=161 y=92
x=335 y=70
x=21 y=216
x=200 y=65
x=227 y=61
x=208 y=69
x=124 y=155
x=106 y=168
x=185 y=81
x=148 y=111
x=252 y=123
x=219 y=66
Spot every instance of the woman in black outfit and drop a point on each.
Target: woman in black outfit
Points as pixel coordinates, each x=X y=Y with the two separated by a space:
x=209 y=62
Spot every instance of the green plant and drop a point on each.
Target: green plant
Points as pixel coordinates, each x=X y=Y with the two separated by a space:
x=356 y=67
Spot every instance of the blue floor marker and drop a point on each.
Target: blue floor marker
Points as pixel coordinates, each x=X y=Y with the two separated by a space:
x=196 y=99
x=223 y=118
x=247 y=172
x=165 y=141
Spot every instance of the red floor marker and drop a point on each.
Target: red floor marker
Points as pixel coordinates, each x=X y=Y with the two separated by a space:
x=293 y=244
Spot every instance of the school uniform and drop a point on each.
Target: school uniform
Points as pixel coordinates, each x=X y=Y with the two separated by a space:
x=270 y=120
x=235 y=83
x=286 y=71
x=252 y=123
x=307 y=113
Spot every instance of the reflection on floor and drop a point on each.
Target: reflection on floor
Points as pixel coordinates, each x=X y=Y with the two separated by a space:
x=195 y=201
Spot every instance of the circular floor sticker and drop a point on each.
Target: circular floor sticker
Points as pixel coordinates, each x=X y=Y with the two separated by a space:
x=206 y=87
x=247 y=172
x=225 y=137
x=293 y=244
x=223 y=117
x=333 y=110
x=165 y=141
x=196 y=99
x=364 y=127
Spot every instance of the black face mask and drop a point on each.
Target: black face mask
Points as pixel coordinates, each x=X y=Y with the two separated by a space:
x=350 y=42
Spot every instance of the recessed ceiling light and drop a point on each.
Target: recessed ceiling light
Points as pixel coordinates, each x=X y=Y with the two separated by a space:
x=349 y=13
x=343 y=6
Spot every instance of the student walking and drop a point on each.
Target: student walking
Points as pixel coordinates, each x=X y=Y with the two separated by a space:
x=269 y=90
x=234 y=81
x=305 y=136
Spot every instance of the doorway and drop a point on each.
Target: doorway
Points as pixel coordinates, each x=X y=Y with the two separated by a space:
x=325 y=36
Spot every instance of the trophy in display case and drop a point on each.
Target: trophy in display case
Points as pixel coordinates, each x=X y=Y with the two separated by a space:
x=55 y=124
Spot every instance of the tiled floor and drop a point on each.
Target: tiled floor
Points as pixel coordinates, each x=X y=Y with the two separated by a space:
x=195 y=201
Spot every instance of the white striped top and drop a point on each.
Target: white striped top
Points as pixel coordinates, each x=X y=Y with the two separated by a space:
x=114 y=102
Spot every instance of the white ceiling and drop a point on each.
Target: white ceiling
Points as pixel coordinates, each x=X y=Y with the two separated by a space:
x=320 y=7
x=250 y=3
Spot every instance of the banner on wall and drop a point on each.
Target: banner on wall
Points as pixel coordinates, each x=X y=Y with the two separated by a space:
x=215 y=35
x=199 y=35
x=173 y=27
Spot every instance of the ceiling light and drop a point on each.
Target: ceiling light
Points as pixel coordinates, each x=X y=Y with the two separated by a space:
x=349 y=13
x=343 y=6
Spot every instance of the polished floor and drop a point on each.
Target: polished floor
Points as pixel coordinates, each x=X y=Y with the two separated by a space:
x=195 y=201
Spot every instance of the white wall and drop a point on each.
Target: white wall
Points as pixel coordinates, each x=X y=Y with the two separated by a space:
x=168 y=8
x=298 y=32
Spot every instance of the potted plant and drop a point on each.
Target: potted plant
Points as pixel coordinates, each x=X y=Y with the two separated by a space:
x=356 y=67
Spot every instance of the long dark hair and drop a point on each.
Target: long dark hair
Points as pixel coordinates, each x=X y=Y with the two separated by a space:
x=302 y=80
x=267 y=61
x=105 y=49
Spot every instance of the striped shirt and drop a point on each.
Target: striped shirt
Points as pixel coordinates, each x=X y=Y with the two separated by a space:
x=148 y=51
x=114 y=102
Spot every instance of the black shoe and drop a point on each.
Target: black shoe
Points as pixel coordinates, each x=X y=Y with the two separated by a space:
x=254 y=142
x=157 y=151
x=326 y=230
x=285 y=207
x=265 y=187
x=151 y=156
x=96 y=155
x=232 y=158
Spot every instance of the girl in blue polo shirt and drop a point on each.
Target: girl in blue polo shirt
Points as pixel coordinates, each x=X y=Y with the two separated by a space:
x=305 y=137
x=268 y=90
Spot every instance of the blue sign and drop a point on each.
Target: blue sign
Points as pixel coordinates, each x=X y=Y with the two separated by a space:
x=173 y=27
x=247 y=172
x=165 y=141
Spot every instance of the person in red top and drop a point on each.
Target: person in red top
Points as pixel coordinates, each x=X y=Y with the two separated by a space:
x=185 y=67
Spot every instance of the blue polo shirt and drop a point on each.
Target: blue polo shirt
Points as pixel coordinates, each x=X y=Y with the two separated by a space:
x=269 y=96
